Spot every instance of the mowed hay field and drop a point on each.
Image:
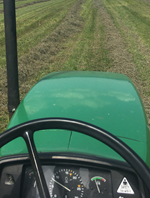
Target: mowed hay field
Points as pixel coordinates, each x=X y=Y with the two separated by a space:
x=61 y=35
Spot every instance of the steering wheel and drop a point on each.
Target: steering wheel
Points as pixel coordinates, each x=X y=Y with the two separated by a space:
x=27 y=129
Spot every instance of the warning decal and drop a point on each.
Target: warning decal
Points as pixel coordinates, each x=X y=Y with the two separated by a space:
x=125 y=187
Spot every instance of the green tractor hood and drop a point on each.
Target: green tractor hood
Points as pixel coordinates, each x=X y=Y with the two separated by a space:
x=107 y=100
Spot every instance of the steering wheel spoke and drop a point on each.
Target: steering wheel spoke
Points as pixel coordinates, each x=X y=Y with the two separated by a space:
x=36 y=165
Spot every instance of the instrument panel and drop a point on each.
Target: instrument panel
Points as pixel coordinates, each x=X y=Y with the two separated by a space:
x=67 y=181
x=71 y=177
x=70 y=182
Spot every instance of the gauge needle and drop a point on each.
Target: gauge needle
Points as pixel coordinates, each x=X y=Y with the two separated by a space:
x=97 y=186
x=34 y=184
x=61 y=185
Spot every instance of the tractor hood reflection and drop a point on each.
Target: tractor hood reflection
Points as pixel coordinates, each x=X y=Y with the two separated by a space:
x=109 y=101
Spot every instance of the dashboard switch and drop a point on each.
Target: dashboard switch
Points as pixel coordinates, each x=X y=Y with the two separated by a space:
x=9 y=180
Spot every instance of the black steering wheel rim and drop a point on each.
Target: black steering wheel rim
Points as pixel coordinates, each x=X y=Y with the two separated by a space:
x=27 y=129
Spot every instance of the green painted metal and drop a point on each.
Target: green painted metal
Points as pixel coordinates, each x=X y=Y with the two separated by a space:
x=107 y=100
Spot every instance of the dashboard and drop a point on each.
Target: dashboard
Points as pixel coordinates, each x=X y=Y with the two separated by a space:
x=70 y=176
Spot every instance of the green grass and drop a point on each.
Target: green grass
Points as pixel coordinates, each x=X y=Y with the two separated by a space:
x=21 y=3
x=86 y=51
x=34 y=22
x=132 y=18
x=134 y=14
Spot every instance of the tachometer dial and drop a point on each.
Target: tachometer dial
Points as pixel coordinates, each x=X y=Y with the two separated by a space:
x=66 y=183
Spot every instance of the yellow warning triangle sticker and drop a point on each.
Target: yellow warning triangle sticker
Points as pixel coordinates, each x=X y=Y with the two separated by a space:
x=125 y=187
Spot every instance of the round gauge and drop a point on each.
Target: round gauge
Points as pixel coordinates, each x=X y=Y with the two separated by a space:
x=66 y=183
x=98 y=186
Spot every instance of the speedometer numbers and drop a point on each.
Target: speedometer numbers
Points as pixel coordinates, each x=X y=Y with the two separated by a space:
x=66 y=183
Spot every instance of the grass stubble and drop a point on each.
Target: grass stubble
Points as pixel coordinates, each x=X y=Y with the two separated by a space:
x=128 y=24
x=97 y=35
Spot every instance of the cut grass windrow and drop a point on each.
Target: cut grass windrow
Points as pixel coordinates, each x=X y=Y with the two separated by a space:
x=132 y=18
x=34 y=23
x=88 y=52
